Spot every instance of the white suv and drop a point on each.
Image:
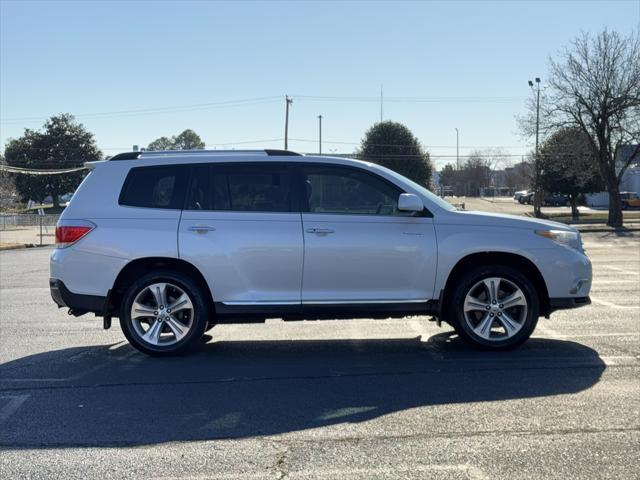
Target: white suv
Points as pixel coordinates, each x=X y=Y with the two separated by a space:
x=175 y=242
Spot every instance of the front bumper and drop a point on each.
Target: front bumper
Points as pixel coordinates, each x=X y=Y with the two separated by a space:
x=567 y=303
x=78 y=304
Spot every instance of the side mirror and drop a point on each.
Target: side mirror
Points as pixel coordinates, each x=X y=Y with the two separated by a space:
x=409 y=202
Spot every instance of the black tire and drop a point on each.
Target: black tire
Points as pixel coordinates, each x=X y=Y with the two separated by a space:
x=200 y=318
x=467 y=282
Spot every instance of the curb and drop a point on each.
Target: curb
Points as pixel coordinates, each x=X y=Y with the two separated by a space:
x=606 y=229
x=20 y=246
x=12 y=247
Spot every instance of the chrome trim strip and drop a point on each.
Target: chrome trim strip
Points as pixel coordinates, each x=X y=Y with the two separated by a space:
x=360 y=302
x=327 y=302
x=248 y=302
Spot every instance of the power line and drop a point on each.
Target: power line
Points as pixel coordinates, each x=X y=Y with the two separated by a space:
x=154 y=110
x=410 y=99
x=266 y=100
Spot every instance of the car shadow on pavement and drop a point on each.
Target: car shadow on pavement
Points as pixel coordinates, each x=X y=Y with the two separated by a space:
x=115 y=396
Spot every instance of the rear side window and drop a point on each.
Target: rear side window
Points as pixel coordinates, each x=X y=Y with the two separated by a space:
x=155 y=187
x=240 y=188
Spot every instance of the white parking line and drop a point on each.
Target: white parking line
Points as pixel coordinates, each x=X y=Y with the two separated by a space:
x=428 y=471
x=614 y=305
x=549 y=332
x=621 y=270
x=614 y=282
x=71 y=378
x=14 y=403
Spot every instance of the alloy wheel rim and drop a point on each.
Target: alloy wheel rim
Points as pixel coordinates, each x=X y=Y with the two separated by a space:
x=162 y=314
x=495 y=309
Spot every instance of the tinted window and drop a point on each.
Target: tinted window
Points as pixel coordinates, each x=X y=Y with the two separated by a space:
x=155 y=187
x=241 y=188
x=349 y=191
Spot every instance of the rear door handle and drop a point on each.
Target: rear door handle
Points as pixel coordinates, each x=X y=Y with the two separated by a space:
x=320 y=230
x=201 y=228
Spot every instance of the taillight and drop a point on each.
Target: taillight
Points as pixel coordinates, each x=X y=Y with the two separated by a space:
x=67 y=235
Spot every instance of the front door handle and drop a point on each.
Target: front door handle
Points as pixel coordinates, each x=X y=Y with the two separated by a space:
x=320 y=230
x=201 y=228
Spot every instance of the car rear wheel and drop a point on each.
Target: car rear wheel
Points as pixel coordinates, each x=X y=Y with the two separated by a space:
x=495 y=307
x=164 y=313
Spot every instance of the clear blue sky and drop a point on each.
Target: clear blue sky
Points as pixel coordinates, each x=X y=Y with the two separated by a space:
x=473 y=58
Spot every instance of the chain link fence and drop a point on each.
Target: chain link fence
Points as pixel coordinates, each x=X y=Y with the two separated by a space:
x=26 y=228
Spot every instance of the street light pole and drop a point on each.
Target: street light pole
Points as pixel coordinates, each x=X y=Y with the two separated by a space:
x=457 y=149
x=538 y=190
x=288 y=101
x=319 y=134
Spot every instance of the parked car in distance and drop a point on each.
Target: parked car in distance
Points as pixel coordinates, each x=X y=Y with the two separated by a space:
x=555 y=200
x=519 y=194
x=526 y=198
x=549 y=200
x=629 y=200
x=173 y=243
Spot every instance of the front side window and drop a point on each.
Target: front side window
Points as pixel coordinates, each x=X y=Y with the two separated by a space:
x=348 y=191
x=240 y=188
x=154 y=187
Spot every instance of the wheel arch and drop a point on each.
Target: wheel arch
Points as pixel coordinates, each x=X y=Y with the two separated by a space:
x=514 y=260
x=141 y=266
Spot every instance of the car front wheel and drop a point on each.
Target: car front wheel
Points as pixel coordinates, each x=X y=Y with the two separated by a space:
x=164 y=313
x=495 y=307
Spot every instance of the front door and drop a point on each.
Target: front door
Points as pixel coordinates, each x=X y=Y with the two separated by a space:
x=359 y=248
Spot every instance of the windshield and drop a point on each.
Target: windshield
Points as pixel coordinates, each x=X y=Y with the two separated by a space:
x=423 y=191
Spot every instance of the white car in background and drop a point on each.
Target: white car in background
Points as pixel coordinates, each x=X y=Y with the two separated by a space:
x=173 y=243
x=518 y=194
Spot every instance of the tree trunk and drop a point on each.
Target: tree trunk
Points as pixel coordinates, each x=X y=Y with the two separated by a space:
x=575 y=214
x=615 y=204
x=537 y=203
x=56 y=200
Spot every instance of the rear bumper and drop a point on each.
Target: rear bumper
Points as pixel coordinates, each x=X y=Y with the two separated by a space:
x=78 y=303
x=568 y=302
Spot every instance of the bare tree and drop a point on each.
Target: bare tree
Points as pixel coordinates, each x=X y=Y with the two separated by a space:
x=595 y=86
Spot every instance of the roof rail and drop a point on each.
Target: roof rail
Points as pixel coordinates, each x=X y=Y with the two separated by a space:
x=281 y=153
x=144 y=153
x=126 y=156
x=202 y=152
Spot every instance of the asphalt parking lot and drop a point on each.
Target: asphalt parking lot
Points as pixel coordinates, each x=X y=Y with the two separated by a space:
x=355 y=399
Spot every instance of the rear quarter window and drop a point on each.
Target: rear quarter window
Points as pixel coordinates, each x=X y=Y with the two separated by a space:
x=155 y=187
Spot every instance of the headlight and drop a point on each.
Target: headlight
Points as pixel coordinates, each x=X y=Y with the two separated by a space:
x=563 y=237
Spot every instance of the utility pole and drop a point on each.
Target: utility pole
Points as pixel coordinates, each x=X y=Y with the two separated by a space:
x=381 y=103
x=288 y=102
x=457 y=149
x=537 y=201
x=319 y=134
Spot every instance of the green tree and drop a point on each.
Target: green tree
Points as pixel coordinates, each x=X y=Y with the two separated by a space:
x=449 y=178
x=162 y=143
x=62 y=144
x=7 y=186
x=187 y=140
x=392 y=145
x=568 y=166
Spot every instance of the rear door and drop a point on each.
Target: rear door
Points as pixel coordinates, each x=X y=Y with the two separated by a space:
x=241 y=227
x=359 y=248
